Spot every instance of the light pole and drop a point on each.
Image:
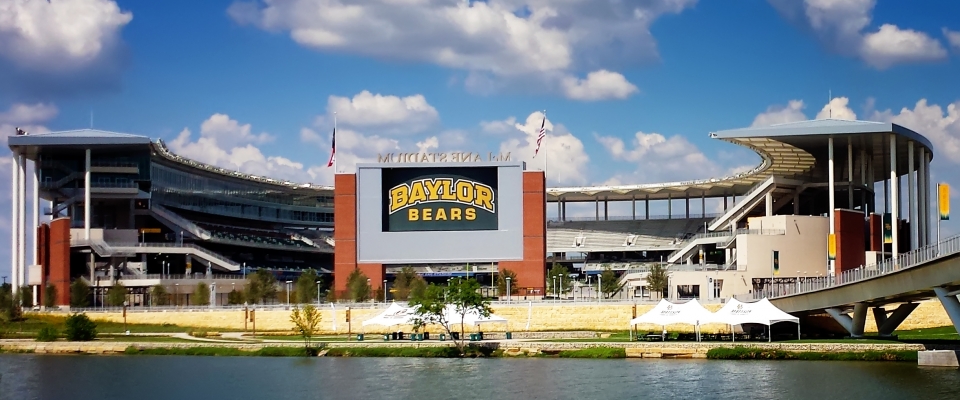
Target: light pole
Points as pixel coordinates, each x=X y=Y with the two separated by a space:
x=384 y=290
x=243 y=269
x=370 y=288
x=288 y=292
x=508 y=289
x=599 y=293
x=318 y=293
x=560 y=280
x=176 y=294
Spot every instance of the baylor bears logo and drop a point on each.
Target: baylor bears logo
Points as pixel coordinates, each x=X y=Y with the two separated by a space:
x=445 y=190
x=442 y=199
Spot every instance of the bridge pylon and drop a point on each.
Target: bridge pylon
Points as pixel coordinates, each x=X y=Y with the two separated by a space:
x=951 y=304
x=887 y=321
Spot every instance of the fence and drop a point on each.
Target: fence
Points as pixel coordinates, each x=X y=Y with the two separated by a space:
x=914 y=258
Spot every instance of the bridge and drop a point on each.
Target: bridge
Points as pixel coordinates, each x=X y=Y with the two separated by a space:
x=928 y=272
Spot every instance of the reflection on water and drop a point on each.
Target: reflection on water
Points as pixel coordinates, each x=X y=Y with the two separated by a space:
x=169 y=377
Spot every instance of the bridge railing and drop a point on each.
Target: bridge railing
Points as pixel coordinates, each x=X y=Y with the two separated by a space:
x=910 y=259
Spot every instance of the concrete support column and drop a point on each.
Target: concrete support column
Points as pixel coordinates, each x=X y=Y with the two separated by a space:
x=36 y=211
x=669 y=206
x=894 y=196
x=14 y=235
x=831 y=189
x=930 y=214
x=606 y=209
x=564 y=209
x=768 y=202
x=22 y=204
x=86 y=196
x=863 y=183
x=887 y=324
x=646 y=207
x=724 y=202
x=854 y=325
x=951 y=305
x=633 y=207
x=703 y=205
x=912 y=199
x=849 y=174
x=687 y=201
x=559 y=211
x=596 y=208
x=886 y=196
x=922 y=198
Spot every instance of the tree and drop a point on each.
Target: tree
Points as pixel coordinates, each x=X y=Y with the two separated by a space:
x=502 y=282
x=609 y=283
x=79 y=294
x=79 y=328
x=657 y=280
x=116 y=295
x=9 y=310
x=26 y=296
x=565 y=281
x=261 y=285
x=358 y=287
x=201 y=295
x=306 y=285
x=450 y=304
x=235 y=297
x=306 y=320
x=159 y=296
x=50 y=296
x=406 y=283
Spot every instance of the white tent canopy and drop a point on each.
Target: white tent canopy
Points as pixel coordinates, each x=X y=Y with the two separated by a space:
x=392 y=316
x=667 y=313
x=763 y=312
x=471 y=317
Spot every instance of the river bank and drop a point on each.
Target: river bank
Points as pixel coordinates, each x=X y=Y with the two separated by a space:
x=500 y=348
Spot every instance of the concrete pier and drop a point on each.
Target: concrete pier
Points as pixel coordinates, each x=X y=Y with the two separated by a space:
x=939 y=358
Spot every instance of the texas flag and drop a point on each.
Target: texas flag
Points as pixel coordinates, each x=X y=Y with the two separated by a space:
x=333 y=148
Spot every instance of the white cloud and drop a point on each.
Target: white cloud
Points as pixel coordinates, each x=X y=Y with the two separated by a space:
x=229 y=131
x=389 y=114
x=504 y=126
x=941 y=126
x=228 y=144
x=497 y=39
x=659 y=159
x=837 y=108
x=777 y=114
x=891 y=45
x=53 y=35
x=953 y=37
x=599 y=85
x=29 y=117
x=427 y=144
x=842 y=26
x=564 y=153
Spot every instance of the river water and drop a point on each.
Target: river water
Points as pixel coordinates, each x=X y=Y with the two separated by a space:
x=175 y=377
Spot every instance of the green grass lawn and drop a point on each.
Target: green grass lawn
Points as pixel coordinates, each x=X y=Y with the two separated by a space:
x=938 y=333
x=148 y=339
x=33 y=322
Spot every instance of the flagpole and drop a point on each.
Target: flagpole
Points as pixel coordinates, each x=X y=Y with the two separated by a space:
x=545 y=204
x=335 y=170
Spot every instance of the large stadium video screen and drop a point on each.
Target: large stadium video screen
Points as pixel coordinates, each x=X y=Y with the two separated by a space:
x=440 y=199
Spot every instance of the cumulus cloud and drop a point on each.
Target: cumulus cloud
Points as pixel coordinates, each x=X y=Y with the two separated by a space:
x=512 y=40
x=226 y=143
x=778 y=114
x=56 y=46
x=658 y=158
x=953 y=37
x=29 y=117
x=939 y=124
x=843 y=27
x=389 y=114
x=562 y=151
x=837 y=108
x=598 y=85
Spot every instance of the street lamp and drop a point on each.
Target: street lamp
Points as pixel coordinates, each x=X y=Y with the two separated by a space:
x=384 y=290
x=288 y=292
x=318 y=292
x=560 y=280
x=176 y=296
x=243 y=269
x=508 y=289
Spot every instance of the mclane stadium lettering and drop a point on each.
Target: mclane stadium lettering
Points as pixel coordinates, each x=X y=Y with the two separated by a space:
x=442 y=190
x=464 y=157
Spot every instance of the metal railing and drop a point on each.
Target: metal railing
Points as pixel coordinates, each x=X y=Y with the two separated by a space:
x=945 y=248
x=754 y=189
x=112 y=247
x=121 y=164
x=196 y=276
x=631 y=218
x=683 y=245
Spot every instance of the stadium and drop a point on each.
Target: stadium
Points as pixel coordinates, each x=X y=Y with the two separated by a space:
x=115 y=208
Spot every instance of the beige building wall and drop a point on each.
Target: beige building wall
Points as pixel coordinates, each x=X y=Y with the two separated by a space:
x=802 y=247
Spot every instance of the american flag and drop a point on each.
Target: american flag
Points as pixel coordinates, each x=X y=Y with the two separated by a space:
x=333 y=149
x=541 y=136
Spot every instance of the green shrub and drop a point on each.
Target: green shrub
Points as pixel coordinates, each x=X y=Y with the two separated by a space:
x=595 y=352
x=750 y=353
x=47 y=334
x=79 y=328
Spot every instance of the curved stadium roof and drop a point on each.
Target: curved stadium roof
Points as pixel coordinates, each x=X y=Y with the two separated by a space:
x=786 y=150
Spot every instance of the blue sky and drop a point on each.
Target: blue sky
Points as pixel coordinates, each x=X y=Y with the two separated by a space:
x=631 y=88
